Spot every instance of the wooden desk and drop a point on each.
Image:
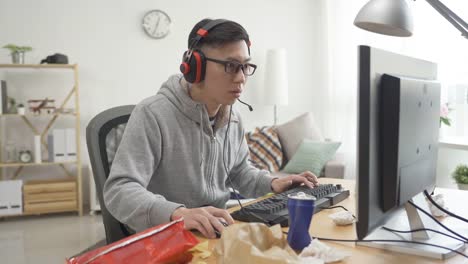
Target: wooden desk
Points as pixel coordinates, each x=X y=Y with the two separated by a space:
x=323 y=226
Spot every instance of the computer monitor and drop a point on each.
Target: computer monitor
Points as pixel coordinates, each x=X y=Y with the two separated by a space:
x=398 y=128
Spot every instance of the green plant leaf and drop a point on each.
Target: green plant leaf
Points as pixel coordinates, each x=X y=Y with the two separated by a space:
x=15 y=48
x=445 y=120
x=460 y=175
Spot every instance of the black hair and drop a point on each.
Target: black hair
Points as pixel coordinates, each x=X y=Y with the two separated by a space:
x=221 y=34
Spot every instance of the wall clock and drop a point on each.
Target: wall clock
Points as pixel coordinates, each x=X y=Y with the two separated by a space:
x=156 y=24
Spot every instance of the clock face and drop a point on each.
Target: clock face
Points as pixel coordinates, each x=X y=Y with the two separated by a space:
x=156 y=24
x=25 y=156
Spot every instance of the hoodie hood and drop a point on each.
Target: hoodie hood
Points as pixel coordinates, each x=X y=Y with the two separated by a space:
x=175 y=89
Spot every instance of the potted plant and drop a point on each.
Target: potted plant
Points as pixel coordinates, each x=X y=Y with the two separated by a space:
x=21 y=109
x=460 y=175
x=17 y=52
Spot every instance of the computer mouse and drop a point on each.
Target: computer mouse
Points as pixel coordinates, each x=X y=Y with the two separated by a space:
x=218 y=234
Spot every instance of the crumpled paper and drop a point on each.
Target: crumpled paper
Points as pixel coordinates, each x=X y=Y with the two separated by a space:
x=254 y=243
x=317 y=252
x=201 y=251
x=342 y=218
x=439 y=199
x=260 y=244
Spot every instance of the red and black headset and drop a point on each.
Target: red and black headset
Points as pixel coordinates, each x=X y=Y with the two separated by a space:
x=193 y=64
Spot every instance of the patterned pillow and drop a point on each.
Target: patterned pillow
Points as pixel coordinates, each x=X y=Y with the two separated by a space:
x=265 y=149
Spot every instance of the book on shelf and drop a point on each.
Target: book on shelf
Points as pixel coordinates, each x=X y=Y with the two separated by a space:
x=3 y=97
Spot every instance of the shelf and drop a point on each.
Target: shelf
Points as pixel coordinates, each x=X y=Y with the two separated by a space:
x=39 y=115
x=43 y=122
x=39 y=66
x=4 y=165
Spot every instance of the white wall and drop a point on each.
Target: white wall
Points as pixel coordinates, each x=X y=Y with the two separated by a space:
x=119 y=64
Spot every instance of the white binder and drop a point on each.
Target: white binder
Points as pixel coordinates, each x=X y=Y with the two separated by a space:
x=59 y=145
x=70 y=144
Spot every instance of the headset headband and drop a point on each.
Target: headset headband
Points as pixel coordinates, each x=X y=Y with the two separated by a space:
x=203 y=31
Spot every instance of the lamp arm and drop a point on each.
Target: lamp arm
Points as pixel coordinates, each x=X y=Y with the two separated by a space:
x=450 y=16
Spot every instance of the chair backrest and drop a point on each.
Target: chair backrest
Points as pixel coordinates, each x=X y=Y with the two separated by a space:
x=97 y=134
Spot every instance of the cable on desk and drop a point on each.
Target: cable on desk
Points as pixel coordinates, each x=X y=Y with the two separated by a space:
x=443 y=209
x=438 y=222
x=392 y=241
x=388 y=240
x=464 y=240
x=423 y=229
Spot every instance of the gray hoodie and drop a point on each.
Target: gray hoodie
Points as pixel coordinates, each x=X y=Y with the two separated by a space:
x=170 y=157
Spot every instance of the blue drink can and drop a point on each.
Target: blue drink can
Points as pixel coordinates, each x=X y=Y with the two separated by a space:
x=301 y=208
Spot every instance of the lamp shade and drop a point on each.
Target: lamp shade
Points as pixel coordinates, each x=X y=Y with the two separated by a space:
x=276 y=78
x=388 y=17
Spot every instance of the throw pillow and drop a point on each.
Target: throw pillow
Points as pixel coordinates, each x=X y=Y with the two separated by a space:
x=293 y=132
x=312 y=156
x=265 y=149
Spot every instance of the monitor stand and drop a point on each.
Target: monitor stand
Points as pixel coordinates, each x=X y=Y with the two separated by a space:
x=411 y=218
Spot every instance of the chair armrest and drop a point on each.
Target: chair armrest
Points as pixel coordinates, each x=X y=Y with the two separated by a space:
x=335 y=168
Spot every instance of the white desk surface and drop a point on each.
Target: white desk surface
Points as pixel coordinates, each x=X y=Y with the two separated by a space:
x=454 y=143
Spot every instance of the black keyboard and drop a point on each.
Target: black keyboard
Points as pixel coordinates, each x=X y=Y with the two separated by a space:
x=273 y=210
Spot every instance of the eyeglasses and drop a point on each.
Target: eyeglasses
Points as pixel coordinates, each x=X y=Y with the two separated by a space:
x=233 y=67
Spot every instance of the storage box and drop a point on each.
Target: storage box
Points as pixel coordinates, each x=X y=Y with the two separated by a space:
x=11 y=202
x=48 y=196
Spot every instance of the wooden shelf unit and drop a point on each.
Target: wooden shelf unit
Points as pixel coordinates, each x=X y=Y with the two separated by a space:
x=77 y=178
x=44 y=163
x=38 y=115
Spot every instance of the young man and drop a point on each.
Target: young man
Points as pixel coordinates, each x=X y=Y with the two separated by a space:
x=184 y=147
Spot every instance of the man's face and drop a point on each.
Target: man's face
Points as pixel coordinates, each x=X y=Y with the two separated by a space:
x=220 y=87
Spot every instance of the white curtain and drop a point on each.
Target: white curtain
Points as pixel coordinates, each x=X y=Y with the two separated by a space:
x=434 y=39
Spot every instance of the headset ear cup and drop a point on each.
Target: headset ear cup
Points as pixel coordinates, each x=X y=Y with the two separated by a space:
x=201 y=66
x=194 y=67
x=197 y=65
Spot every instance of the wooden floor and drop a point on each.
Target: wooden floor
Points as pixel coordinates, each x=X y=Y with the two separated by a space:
x=48 y=238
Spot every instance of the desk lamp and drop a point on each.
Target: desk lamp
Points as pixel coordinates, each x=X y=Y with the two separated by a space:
x=393 y=17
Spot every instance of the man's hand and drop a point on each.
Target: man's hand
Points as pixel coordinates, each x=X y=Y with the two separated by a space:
x=203 y=219
x=307 y=178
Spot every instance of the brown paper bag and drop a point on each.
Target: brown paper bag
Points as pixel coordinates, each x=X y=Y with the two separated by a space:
x=254 y=243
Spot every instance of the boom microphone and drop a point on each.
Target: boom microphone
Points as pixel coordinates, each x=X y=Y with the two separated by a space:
x=249 y=106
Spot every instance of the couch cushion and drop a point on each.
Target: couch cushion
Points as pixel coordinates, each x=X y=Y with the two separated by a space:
x=293 y=132
x=311 y=156
x=265 y=149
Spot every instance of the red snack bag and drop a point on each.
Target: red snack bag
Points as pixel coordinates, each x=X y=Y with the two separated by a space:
x=166 y=243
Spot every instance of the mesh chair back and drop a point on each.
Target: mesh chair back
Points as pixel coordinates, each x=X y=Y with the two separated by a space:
x=103 y=135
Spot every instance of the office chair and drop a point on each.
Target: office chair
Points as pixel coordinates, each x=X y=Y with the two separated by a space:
x=102 y=144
